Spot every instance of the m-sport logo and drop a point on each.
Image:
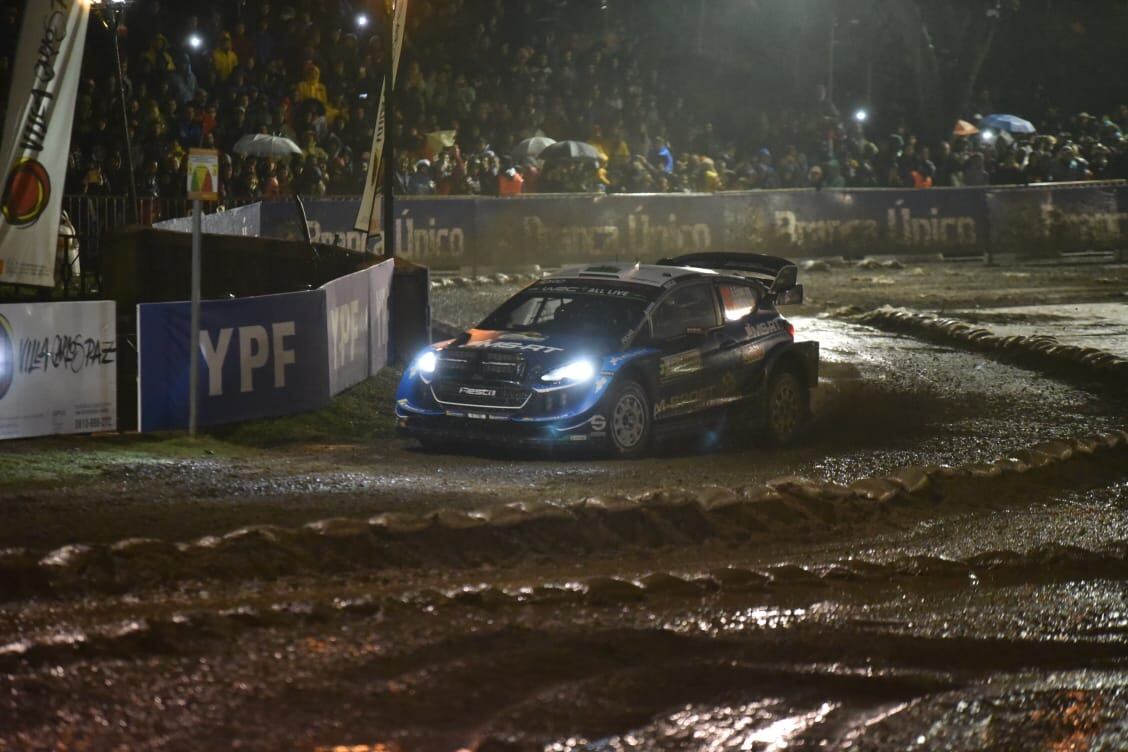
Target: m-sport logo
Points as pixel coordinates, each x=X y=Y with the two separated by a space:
x=472 y=392
x=7 y=356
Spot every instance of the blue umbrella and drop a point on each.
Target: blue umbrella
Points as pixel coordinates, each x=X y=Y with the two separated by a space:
x=1007 y=124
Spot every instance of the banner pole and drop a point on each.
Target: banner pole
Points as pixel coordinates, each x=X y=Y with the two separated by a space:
x=194 y=325
x=389 y=129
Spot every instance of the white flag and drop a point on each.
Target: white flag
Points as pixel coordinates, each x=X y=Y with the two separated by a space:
x=37 y=131
x=369 y=217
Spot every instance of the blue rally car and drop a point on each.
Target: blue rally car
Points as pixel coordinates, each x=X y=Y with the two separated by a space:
x=617 y=354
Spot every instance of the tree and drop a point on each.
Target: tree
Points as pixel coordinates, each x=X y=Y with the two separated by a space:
x=946 y=44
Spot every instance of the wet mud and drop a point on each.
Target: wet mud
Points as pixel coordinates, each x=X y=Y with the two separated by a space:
x=942 y=565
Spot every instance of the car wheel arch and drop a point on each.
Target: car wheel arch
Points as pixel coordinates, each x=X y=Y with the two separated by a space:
x=790 y=360
x=635 y=372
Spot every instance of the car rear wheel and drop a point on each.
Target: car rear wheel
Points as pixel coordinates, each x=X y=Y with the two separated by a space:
x=630 y=420
x=786 y=408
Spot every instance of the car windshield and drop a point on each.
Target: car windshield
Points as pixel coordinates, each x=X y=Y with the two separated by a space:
x=603 y=312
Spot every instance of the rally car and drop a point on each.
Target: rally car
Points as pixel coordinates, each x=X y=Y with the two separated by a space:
x=618 y=354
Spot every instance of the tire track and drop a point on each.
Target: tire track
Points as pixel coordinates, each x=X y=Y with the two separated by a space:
x=511 y=533
x=1038 y=351
x=186 y=629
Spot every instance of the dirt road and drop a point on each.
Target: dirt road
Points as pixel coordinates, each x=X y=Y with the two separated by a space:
x=941 y=567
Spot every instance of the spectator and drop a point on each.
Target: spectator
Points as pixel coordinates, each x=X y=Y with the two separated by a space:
x=1068 y=167
x=420 y=183
x=311 y=86
x=974 y=174
x=182 y=81
x=510 y=180
x=502 y=81
x=224 y=59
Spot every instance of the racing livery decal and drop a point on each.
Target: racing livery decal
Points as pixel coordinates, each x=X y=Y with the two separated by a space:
x=681 y=364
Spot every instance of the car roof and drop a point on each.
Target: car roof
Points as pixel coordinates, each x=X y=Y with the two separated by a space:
x=622 y=271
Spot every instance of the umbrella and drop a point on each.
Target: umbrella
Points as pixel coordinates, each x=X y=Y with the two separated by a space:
x=531 y=148
x=262 y=145
x=1007 y=123
x=964 y=128
x=576 y=151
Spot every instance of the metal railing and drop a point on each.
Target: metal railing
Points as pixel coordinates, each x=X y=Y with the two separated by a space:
x=93 y=217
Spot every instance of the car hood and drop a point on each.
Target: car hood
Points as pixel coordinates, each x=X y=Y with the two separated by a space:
x=542 y=352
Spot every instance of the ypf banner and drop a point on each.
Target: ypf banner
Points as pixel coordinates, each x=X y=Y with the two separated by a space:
x=357 y=308
x=33 y=155
x=259 y=357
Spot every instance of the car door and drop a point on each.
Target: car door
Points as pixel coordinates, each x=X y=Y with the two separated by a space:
x=737 y=355
x=682 y=326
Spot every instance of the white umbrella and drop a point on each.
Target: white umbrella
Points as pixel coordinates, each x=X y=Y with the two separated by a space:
x=575 y=151
x=531 y=148
x=262 y=145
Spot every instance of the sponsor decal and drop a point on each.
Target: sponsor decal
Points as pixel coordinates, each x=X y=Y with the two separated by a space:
x=680 y=364
x=63 y=352
x=763 y=330
x=519 y=346
x=7 y=356
x=520 y=337
x=686 y=399
x=570 y=287
x=475 y=392
x=599 y=423
x=26 y=193
x=753 y=353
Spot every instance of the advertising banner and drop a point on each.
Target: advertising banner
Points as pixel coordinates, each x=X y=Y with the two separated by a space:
x=37 y=131
x=368 y=218
x=437 y=233
x=203 y=175
x=1043 y=221
x=558 y=230
x=379 y=327
x=855 y=222
x=259 y=357
x=58 y=368
x=505 y=233
x=357 y=307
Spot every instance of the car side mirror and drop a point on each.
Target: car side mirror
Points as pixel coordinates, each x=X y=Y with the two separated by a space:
x=785 y=280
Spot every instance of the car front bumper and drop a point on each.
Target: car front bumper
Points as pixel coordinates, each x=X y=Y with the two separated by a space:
x=501 y=430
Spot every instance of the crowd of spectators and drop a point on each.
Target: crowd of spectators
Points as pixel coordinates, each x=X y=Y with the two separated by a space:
x=478 y=77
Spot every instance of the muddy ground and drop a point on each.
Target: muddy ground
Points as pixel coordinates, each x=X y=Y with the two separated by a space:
x=941 y=566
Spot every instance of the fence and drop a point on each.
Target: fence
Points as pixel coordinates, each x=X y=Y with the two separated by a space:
x=1040 y=221
x=94 y=216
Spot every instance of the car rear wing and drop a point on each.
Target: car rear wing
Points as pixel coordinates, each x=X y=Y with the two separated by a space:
x=783 y=274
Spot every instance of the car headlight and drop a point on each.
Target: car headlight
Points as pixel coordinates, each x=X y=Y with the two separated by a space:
x=578 y=371
x=427 y=362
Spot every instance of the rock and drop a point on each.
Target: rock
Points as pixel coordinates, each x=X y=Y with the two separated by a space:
x=816 y=265
x=612 y=591
x=877 y=489
x=735 y=578
x=912 y=479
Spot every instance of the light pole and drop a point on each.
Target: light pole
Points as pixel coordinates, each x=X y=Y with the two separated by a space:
x=111 y=12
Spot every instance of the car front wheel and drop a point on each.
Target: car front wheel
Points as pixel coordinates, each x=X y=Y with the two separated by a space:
x=630 y=420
